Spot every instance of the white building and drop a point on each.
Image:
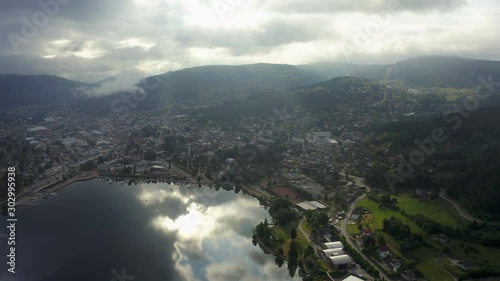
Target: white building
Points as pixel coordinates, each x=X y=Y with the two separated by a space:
x=334 y=245
x=333 y=252
x=311 y=205
x=353 y=278
x=341 y=262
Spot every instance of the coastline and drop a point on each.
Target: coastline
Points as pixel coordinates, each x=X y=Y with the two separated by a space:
x=32 y=198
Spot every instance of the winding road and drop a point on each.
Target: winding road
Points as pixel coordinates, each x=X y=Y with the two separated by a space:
x=462 y=211
x=343 y=227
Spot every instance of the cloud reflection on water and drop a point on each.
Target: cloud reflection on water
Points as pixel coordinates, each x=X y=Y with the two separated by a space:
x=212 y=236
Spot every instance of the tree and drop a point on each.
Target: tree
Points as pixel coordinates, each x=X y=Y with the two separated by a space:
x=293 y=233
x=308 y=251
x=279 y=260
x=381 y=239
x=150 y=155
x=322 y=219
x=292 y=259
x=88 y=166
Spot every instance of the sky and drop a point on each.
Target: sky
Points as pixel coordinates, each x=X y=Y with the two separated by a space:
x=89 y=40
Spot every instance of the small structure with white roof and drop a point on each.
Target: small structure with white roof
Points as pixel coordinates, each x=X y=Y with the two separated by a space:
x=311 y=205
x=334 y=245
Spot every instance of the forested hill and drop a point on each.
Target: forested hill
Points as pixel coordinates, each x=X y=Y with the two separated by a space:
x=25 y=90
x=206 y=83
x=466 y=164
x=440 y=71
x=201 y=84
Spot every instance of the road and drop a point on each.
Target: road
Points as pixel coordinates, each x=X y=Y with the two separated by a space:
x=311 y=242
x=461 y=210
x=305 y=234
x=343 y=227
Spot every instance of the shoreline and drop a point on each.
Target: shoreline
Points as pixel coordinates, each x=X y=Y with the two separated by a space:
x=37 y=195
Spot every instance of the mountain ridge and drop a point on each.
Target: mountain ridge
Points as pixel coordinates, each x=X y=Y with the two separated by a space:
x=237 y=81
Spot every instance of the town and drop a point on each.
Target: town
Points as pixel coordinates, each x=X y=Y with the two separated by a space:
x=310 y=180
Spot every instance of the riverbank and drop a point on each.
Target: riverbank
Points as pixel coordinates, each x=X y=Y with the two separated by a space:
x=31 y=198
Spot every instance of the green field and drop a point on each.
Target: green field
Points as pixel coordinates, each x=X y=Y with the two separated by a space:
x=485 y=255
x=431 y=270
x=284 y=233
x=377 y=220
x=447 y=265
x=306 y=227
x=436 y=209
x=352 y=229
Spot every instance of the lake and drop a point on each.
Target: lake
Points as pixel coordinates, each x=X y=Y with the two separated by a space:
x=96 y=231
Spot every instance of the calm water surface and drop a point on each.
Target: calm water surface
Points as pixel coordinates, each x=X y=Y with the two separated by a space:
x=96 y=231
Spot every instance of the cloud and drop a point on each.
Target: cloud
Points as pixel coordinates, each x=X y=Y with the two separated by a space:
x=124 y=82
x=93 y=40
x=207 y=232
x=228 y=271
x=368 y=6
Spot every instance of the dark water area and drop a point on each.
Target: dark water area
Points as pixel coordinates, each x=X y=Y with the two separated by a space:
x=96 y=231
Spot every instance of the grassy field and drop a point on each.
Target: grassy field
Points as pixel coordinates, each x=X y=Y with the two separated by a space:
x=376 y=220
x=284 y=233
x=447 y=265
x=431 y=270
x=436 y=209
x=352 y=229
x=485 y=255
x=306 y=227
x=439 y=211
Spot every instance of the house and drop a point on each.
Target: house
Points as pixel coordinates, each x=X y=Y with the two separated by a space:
x=360 y=241
x=355 y=215
x=408 y=275
x=422 y=192
x=383 y=251
x=367 y=232
x=443 y=238
x=466 y=266
x=395 y=264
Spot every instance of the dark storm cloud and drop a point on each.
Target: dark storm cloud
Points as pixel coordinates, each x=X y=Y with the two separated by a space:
x=76 y=10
